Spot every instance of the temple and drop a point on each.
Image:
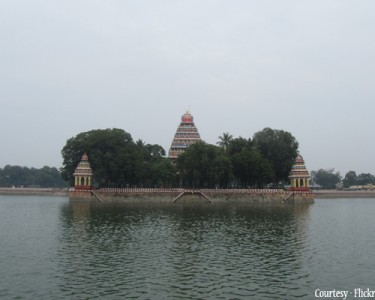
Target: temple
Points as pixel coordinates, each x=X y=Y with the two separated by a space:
x=299 y=176
x=83 y=174
x=186 y=135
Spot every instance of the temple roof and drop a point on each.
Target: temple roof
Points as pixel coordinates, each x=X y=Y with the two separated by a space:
x=299 y=169
x=299 y=159
x=187 y=118
x=83 y=168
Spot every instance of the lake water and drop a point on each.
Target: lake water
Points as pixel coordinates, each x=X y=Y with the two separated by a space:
x=51 y=249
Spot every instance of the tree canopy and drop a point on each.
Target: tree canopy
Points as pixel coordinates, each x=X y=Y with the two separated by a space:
x=350 y=179
x=204 y=165
x=365 y=178
x=116 y=160
x=327 y=179
x=18 y=176
x=239 y=162
x=279 y=147
x=250 y=168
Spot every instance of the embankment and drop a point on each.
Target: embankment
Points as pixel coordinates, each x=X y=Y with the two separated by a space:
x=265 y=196
x=169 y=195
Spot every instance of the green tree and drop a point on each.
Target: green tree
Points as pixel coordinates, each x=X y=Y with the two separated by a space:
x=250 y=168
x=113 y=156
x=116 y=160
x=225 y=140
x=279 y=148
x=14 y=176
x=365 y=178
x=204 y=166
x=163 y=173
x=350 y=179
x=156 y=170
x=327 y=179
x=47 y=177
x=30 y=177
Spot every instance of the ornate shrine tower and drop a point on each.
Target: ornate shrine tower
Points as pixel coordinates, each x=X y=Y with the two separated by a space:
x=83 y=174
x=299 y=176
x=186 y=135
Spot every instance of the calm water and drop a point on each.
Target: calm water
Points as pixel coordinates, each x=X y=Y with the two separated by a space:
x=51 y=249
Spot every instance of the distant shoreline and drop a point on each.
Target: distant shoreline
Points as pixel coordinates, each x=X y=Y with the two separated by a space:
x=35 y=191
x=333 y=194
x=323 y=194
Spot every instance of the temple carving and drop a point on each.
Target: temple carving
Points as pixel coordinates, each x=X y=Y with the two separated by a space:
x=186 y=135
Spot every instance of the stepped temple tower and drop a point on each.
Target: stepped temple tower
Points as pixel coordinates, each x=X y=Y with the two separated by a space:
x=83 y=174
x=186 y=135
x=299 y=176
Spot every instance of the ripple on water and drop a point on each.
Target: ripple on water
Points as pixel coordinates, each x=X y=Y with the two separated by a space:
x=181 y=252
x=175 y=253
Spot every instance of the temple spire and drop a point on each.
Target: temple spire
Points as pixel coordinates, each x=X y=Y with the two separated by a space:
x=186 y=135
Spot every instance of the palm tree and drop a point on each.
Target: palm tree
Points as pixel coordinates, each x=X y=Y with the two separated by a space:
x=225 y=140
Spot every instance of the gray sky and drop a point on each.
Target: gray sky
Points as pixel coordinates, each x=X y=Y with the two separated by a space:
x=307 y=67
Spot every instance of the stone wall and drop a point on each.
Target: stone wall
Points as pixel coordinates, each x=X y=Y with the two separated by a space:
x=193 y=196
x=78 y=195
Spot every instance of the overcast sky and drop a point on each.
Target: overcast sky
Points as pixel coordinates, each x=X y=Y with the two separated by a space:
x=307 y=67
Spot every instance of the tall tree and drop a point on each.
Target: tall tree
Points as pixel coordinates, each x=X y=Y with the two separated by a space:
x=279 y=147
x=225 y=140
x=113 y=156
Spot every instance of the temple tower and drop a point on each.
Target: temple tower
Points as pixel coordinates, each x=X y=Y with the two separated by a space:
x=186 y=135
x=299 y=176
x=83 y=174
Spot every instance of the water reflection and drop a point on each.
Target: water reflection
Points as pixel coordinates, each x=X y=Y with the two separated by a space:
x=53 y=249
x=180 y=250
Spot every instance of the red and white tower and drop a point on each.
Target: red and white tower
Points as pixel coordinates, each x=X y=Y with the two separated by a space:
x=186 y=135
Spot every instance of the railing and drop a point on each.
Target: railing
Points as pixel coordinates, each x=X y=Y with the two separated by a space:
x=205 y=191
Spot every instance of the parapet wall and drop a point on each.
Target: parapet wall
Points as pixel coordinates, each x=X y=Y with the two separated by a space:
x=191 y=196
